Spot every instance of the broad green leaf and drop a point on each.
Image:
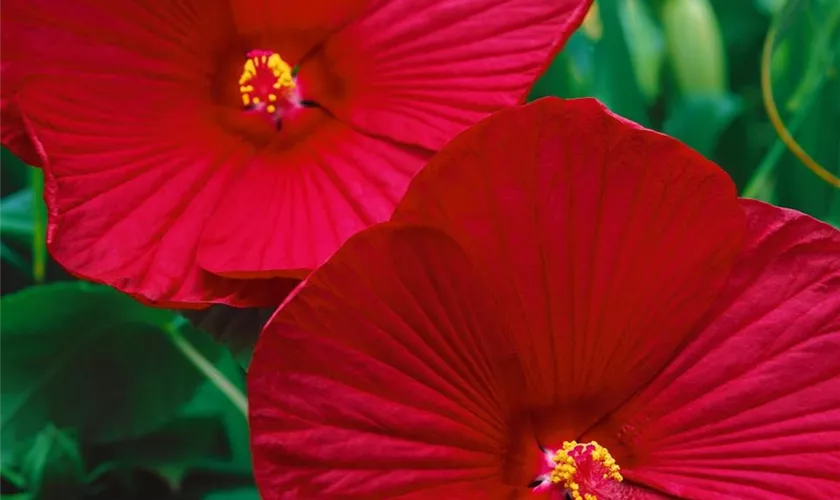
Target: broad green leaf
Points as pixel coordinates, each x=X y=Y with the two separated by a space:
x=185 y=442
x=54 y=467
x=93 y=360
x=183 y=445
x=237 y=494
x=210 y=402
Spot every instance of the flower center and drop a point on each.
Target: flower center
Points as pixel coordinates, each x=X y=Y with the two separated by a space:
x=267 y=84
x=586 y=471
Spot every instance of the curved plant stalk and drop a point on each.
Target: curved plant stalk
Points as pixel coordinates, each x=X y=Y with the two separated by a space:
x=775 y=118
x=202 y=364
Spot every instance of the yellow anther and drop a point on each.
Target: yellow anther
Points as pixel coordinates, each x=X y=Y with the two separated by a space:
x=569 y=458
x=263 y=74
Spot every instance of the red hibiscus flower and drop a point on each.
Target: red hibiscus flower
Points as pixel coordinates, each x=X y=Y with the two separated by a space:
x=564 y=305
x=188 y=144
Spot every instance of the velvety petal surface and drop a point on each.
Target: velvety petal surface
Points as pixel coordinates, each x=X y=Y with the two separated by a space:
x=420 y=71
x=751 y=408
x=603 y=242
x=286 y=212
x=270 y=17
x=128 y=198
x=381 y=377
x=118 y=98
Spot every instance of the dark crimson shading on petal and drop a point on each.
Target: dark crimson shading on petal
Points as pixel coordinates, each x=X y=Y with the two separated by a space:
x=751 y=408
x=420 y=71
x=603 y=242
x=380 y=377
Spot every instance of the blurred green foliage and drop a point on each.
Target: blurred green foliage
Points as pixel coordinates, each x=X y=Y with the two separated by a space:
x=100 y=398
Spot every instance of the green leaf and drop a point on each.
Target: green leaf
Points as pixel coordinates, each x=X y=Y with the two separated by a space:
x=90 y=359
x=16 y=220
x=186 y=442
x=645 y=44
x=571 y=72
x=714 y=112
x=210 y=402
x=615 y=77
x=11 y=477
x=237 y=494
x=15 y=175
x=11 y=256
x=53 y=466
x=770 y=6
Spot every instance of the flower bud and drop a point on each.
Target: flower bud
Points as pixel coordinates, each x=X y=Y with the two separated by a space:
x=695 y=46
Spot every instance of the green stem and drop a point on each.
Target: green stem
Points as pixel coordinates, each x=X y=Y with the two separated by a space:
x=39 y=233
x=216 y=377
x=768 y=164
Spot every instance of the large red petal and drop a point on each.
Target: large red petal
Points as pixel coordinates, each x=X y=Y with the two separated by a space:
x=605 y=243
x=287 y=212
x=380 y=377
x=751 y=408
x=420 y=71
x=169 y=38
x=100 y=37
x=129 y=193
x=118 y=99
